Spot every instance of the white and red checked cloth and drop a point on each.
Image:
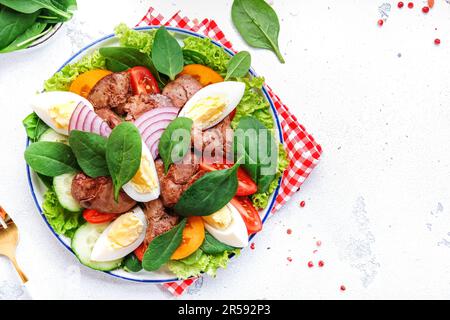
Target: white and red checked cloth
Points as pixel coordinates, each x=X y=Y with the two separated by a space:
x=301 y=147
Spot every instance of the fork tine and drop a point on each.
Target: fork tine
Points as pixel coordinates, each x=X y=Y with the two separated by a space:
x=3 y=216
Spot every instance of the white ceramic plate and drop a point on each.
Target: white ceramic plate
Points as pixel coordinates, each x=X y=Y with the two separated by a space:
x=38 y=189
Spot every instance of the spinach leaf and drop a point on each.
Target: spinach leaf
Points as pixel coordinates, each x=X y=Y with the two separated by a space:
x=175 y=141
x=31 y=6
x=132 y=263
x=123 y=154
x=258 y=24
x=167 y=54
x=194 y=57
x=90 y=150
x=13 y=24
x=239 y=65
x=162 y=247
x=209 y=193
x=254 y=143
x=119 y=59
x=34 y=126
x=51 y=158
x=23 y=41
x=213 y=246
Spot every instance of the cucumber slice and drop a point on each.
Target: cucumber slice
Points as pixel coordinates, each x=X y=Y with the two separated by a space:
x=53 y=136
x=83 y=243
x=63 y=189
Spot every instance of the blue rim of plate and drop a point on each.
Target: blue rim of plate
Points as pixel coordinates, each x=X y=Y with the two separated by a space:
x=189 y=33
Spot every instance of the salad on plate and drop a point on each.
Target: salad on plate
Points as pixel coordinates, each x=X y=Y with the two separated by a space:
x=158 y=153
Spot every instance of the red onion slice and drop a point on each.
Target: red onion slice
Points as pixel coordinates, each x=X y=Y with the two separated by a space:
x=85 y=119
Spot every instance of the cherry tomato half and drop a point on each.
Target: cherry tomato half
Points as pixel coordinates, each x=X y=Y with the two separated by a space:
x=95 y=217
x=249 y=214
x=246 y=186
x=140 y=251
x=142 y=81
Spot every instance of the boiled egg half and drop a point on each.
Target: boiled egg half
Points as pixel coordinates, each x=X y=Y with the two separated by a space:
x=121 y=237
x=55 y=108
x=144 y=186
x=227 y=226
x=213 y=103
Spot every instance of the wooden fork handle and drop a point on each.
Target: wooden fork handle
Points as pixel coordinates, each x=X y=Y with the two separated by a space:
x=19 y=271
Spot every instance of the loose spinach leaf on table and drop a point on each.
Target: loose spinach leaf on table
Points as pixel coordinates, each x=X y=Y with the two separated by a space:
x=162 y=247
x=123 y=154
x=24 y=40
x=90 y=151
x=34 y=126
x=13 y=24
x=255 y=144
x=239 y=65
x=213 y=246
x=208 y=194
x=258 y=24
x=51 y=158
x=31 y=6
x=167 y=54
x=175 y=141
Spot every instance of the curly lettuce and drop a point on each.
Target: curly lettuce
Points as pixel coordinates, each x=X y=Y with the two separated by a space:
x=215 y=57
x=142 y=41
x=61 y=220
x=62 y=80
x=199 y=263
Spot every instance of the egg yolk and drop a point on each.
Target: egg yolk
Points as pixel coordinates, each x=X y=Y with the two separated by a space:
x=144 y=180
x=220 y=219
x=125 y=230
x=61 y=114
x=207 y=110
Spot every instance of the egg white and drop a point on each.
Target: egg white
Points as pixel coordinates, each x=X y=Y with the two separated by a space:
x=42 y=102
x=148 y=196
x=233 y=92
x=103 y=251
x=235 y=234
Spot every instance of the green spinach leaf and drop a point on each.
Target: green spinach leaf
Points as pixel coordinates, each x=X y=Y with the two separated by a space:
x=24 y=40
x=209 y=193
x=194 y=57
x=213 y=246
x=120 y=59
x=13 y=24
x=90 y=151
x=239 y=65
x=51 y=158
x=132 y=263
x=167 y=54
x=255 y=145
x=175 y=141
x=31 y=6
x=123 y=154
x=258 y=24
x=162 y=247
x=34 y=126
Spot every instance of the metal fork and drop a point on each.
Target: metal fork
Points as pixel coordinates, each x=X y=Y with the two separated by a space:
x=9 y=237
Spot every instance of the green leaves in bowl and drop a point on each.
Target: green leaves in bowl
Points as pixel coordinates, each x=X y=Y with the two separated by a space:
x=167 y=54
x=239 y=65
x=258 y=24
x=51 y=159
x=123 y=154
x=209 y=194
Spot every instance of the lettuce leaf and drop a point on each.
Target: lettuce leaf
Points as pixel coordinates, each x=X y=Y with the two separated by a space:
x=216 y=58
x=61 y=220
x=200 y=262
x=61 y=80
x=261 y=200
x=34 y=126
x=142 y=41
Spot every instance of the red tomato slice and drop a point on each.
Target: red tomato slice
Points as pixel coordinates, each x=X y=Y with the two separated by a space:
x=139 y=251
x=248 y=213
x=142 y=81
x=246 y=186
x=94 y=217
x=232 y=114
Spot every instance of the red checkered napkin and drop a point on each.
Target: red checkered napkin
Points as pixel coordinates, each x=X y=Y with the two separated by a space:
x=301 y=147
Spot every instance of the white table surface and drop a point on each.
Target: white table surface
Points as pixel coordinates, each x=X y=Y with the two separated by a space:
x=377 y=99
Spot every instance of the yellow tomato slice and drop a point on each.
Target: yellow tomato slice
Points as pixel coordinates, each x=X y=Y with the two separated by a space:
x=193 y=236
x=84 y=83
x=202 y=73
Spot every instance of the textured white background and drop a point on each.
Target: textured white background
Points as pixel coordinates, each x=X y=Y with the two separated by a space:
x=377 y=99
